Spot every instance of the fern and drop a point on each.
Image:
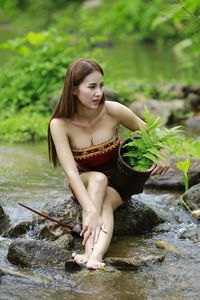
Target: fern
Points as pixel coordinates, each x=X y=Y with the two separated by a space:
x=143 y=147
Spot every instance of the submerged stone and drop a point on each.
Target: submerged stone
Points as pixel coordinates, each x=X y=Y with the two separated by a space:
x=134 y=263
x=167 y=246
x=25 y=252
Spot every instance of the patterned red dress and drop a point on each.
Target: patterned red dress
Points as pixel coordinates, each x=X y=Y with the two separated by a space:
x=101 y=158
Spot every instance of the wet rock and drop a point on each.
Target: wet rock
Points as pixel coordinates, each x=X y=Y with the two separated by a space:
x=4 y=221
x=167 y=246
x=66 y=241
x=173 y=179
x=192 y=197
x=1 y=273
x=2 y=213
x=110 y=94
x=193 y=124
x=72 y=266
x=20 y=229
x=52 y=231
x=65 y=210
x=192 y=233
x=134 y=263
x=135 y=217
x=26 y=252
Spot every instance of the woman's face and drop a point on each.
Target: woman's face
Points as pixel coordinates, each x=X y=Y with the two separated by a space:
x=90 y=90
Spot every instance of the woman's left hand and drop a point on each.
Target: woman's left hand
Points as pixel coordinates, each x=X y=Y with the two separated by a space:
x=163 y=166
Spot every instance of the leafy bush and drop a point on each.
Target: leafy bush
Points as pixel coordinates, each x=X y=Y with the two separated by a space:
x=24 y=127
x=144 y=145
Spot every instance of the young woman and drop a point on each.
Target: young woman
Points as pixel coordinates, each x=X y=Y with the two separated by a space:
x=83 y=137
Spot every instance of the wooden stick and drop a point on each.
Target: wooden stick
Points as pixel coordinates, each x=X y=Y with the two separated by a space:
x=47 y=217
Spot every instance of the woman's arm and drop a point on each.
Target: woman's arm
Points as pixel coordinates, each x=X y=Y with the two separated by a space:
x=65 y=156
x=128 y=119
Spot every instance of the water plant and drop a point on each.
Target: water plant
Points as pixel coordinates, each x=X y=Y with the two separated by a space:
x=144 y=146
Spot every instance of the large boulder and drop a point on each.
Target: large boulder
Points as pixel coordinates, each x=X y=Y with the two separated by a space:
x=192 y=197
x=135 y=217
x=173 y=179
x=25 y=252
x=165 y=110
x=193 y=125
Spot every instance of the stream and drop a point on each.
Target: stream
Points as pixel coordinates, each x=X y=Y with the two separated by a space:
x=30 y=179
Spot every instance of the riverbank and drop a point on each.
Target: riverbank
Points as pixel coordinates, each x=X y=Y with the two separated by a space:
x=35 y=183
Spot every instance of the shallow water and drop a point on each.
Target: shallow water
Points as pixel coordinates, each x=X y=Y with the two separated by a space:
x=33 y=181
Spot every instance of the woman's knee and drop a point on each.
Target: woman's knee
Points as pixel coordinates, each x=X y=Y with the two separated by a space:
x=100 y=178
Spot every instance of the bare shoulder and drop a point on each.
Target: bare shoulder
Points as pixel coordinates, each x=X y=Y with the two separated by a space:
x=59 y=126
x=114 y=108
x=58 y=123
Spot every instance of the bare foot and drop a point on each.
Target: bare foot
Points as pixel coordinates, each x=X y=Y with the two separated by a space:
x=80 y=258
x=94 y=263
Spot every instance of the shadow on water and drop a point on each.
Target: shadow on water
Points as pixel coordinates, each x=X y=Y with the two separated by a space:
x=33 y=181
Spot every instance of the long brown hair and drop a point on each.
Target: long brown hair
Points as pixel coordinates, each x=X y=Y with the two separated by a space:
x=66 y=106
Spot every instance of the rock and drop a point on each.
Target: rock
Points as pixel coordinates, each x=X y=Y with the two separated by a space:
x=134 y=263
x=179 y=90
x=192 y=197
x=20 y=229
x=65 y=210
x=156 y=108
x=29 y=253
x=2 y=213
x=4 y=221
x=167 y=246
x=52 y=231
x=66 y=241
x=1 y=273
x=173 y=179
x=193 y=100
x=110 y=95
x=72 y=266
x=195 y=89
x=136 y=217
x=193 y=125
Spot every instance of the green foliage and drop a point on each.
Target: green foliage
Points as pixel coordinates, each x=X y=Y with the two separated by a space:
x=143 y=148
x=24 y=127
x=184 y=167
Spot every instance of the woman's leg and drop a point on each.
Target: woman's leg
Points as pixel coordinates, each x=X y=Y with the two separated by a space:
x=96 y=184
x=112 y=200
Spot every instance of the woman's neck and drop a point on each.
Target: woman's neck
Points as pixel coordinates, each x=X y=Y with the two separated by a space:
x=88 y=116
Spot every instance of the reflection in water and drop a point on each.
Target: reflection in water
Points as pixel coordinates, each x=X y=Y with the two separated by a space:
x=33 y=181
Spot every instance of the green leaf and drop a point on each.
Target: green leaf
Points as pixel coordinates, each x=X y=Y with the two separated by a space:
x=151 y=157
x=184 y=166
x=157 y=153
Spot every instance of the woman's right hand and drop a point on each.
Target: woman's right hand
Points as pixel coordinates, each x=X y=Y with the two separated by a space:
x=93 y=224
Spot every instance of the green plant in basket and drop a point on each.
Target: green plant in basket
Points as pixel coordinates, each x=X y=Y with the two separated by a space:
x=142 y=149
